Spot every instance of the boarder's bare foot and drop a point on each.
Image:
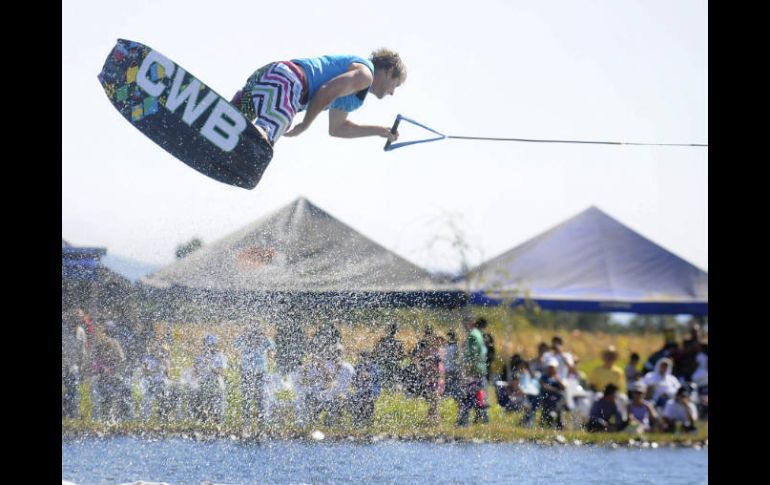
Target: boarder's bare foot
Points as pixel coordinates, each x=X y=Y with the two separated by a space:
x=264 y=134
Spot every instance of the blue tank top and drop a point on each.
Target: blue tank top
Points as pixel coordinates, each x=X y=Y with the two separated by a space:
x=320 y=70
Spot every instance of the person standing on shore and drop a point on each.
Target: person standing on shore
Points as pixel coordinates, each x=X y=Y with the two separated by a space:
x=474 y=376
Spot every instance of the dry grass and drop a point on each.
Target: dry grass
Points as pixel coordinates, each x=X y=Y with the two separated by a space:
x=510 y=336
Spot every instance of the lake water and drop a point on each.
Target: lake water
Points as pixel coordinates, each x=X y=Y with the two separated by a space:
x=181 y=461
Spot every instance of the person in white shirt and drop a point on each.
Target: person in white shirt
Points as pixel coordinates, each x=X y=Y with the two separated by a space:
x=323 y=385
x=565 y=360
x=680 y=410
x=661 y=383
x=567 y=372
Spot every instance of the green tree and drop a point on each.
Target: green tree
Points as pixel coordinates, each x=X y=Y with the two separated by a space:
x=186 y=248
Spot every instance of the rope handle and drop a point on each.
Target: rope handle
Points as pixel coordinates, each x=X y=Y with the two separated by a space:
x=392 y=130
x=392 y=146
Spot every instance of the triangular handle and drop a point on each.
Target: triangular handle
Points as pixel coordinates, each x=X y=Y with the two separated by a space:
x=389 y=146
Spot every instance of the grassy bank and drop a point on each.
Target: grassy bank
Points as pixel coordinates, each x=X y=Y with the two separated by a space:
x=396 y=417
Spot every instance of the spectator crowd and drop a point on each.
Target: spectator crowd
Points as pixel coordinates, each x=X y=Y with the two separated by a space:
x=118 y=363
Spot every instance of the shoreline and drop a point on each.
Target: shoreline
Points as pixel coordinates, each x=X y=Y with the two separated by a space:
x=477 y=434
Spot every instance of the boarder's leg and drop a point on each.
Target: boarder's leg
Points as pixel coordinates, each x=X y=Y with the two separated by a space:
x=271 y=99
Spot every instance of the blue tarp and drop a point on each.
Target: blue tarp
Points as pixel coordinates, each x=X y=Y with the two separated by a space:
x=592 y=262
x=80 y=264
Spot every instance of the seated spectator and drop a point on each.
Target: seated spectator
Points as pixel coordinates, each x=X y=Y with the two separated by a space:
x=552 y=402
x=661 y=383
x=527 y=381
x=641 y=415
x=530 y=385
x=511 y=397
x=366 y=390
x=604 y=414
x=680 y=410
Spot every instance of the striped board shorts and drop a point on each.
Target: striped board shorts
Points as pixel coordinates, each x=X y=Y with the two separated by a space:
x=271 y=98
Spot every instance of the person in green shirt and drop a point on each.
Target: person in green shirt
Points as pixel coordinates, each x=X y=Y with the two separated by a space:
x=474 y=375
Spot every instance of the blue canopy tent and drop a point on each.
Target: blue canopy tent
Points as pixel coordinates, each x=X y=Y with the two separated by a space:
x=592 y=263
x=88 y=284
x=80 y=264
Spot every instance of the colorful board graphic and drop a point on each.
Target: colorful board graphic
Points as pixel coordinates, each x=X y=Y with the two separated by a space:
x=184 y=116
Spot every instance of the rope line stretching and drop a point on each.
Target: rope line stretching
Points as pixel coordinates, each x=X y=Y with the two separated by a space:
x=392 y=146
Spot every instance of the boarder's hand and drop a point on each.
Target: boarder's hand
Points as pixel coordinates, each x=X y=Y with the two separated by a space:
x=298 y=129
x=389 y=135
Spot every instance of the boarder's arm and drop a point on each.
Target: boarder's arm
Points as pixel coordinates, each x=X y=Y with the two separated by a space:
x=349 y=82
x=341 y=127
